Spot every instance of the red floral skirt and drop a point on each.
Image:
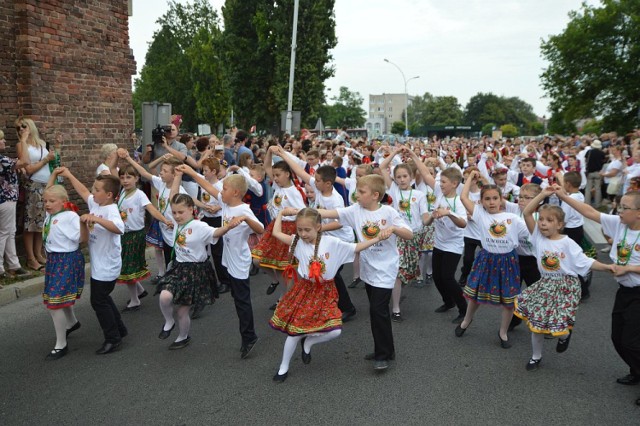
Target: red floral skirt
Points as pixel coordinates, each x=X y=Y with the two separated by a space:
x=271 y=252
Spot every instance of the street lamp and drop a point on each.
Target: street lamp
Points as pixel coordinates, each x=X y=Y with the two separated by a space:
x=406 y=93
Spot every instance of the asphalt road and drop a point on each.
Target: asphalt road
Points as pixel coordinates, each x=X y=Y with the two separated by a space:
x=436 y=378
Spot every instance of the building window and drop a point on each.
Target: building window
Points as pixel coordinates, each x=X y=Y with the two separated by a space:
x=376 y=126
x=390 y=109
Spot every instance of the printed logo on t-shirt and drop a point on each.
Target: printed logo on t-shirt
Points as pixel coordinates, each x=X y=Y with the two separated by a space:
x=551 y=260
x=354 y=197
x=370 y=230
x=431 y=198
x=277 y=200
x=206 y=197
x=499 y=229
x=405 y=205
x=55 y=221
x=624 y=252
x=162 y=204
x=182 y=237
x=123 y=215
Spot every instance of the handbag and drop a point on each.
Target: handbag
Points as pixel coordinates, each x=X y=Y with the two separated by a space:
x=615 y=185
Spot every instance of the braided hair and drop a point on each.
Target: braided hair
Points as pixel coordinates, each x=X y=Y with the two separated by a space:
x=314 y=215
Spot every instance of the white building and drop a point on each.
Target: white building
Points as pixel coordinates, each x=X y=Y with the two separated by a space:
x=384 y=110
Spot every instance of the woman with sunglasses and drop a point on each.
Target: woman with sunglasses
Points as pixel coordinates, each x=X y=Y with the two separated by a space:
x=38 y=172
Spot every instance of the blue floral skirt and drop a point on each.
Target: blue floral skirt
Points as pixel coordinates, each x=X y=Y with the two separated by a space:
x=494 y=279
x=154 y=235
x=63 y=280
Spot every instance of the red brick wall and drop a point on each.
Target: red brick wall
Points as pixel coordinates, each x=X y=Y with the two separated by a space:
x=68 y=66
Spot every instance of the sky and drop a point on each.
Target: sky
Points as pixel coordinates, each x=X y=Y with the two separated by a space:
x=456 y=47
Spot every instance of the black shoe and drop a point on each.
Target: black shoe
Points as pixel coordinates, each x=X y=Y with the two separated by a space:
x=272 y=287
x=154 y=281
x=563 y=344
x=459 y=318
x=355 y=282
x=504 y=344
x=533 y=364
x=396 y=317
x=380 y=365
x=140 y=296
x=76 y=326
x=629 y=379
x=280 y=377
x=347 y=315
x=254 y=270
x=123 y=333
x=585 y=297
x=459 y=331
x=108 y=348
x=444 y=308
x=247 y=349
x=223 y=288
x=462 y=281
x=273 y=307
x=130 y=309
x=372 y=357
x=181 y=344
x=166 y=333
x=515 y=321
x=197 y=311
x=306 y=357
x=57 y=353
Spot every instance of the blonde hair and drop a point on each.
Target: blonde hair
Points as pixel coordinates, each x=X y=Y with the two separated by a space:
x=106 y=150
x=34 y=135
x=556 y=211
x=237 y=182
x=58 y=191
x=375 y=183
x=1 y=134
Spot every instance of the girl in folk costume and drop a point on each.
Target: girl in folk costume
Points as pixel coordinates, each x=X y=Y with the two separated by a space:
x=191 y=280
x=309 y=312
x=64 y=273
x=132 y=204
x=426 y=244
x=495 y=275
x=412 y=206
x=270 y=252
x=549 y=306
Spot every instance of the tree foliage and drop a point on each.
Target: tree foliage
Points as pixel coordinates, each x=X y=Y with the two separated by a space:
x=594 y=65
x=346 y=110
x=397 y=128
x=428 y=110
x=485 y=108
x=509 y=130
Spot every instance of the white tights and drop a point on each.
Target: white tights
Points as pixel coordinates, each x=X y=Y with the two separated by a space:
x=425 y=263
x=184 y=320
x=292 y=342
x=537 y=340
x=62 y=320
x=134 y=290
x=160 y=262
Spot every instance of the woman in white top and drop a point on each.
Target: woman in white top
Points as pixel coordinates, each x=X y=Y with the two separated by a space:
x=612 y=174
x=107 y=152
x=39 y=173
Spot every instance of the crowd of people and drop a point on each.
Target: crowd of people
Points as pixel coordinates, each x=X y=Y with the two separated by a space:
x=299 y=208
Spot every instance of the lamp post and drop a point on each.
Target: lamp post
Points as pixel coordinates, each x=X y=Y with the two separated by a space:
x=292 y=69
x=406 y=93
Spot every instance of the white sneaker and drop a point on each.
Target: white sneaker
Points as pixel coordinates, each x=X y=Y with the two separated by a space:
x=606 y=249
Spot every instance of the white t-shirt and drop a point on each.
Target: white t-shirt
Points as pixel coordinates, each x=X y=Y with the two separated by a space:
x=379 y=263
x=573 y=219
x=612 y=226
x=36 y=154
x=101 y=168
x=236 y=255
x=411 y=204
x=332 y=202
x=473 y=230
x=191 y=241
x=64 y=232
x=448 y=237
x=525 y=247
x=615 y=164
x=132 y=209
x=104 y=246
x=332 y=254
x=210 y=200
x=500 y=232
x=560 y=257
x=164 y=205
x=350 y=183
x=283 y=198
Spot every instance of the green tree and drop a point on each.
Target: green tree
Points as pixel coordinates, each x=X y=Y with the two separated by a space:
x=509 y=130
x=558 y=124
x=592 y=126
x=397 y=128
x=484 y=108
x=167 y=75
x=428 y=110
x=593 y=65
x=487 y=129
x=346 y=110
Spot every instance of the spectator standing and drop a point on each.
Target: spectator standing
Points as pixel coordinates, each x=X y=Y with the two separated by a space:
x=595 y=161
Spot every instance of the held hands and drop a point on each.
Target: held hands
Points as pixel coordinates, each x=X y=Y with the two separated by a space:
x=617 y=270
x=235 y=221
x=88 y=219
x=233 y=168
x=441 y=212
x=124 y=154
x=62 y=171
x=289 y=211
x=386 y=233
x=183 y=168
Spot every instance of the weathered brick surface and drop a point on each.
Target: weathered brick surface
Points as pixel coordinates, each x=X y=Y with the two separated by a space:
x=67 y=65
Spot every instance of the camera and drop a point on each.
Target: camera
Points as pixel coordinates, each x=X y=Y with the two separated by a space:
x=158 y=133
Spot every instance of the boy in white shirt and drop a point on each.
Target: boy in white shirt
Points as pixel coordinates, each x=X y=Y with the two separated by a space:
x=104 y=227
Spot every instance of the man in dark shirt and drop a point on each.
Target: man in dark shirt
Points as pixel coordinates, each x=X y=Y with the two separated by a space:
x=595 y=161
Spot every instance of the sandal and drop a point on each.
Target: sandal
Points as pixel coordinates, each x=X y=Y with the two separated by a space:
x=32 y=262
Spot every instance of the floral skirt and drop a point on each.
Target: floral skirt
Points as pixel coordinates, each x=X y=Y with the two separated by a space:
x=63 y=280
x=549 y=306
x=191 y=283
x=134 y=263
x=427 y=238
x=34 y=206
x=409 y=266
x=154 y=235
x=494 y=279
x=271 y=252
x=308 y=307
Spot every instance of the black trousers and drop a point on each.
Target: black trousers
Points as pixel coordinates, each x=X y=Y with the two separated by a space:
x=625 y=327
x=470 y=246
x=241 y=293
x=445 y=265
x=577 y=234
x=380 y=322
x=344 y=300
x=167 y=251
x=529 y=272
x=106 y=311
x=216 y=251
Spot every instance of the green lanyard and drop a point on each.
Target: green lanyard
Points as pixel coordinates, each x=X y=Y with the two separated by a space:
x=124 y=194
x=166 y=202
x=408 y=201
x=47 y=227
x=175 y=240
x=453 y=209
x=622 y=245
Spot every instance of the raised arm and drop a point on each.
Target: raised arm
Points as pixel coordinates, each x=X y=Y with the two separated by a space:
x=423 y=170
x=185 y=158
x=53 y=177
x=584 y=209
x=384 y=166
x=277 y=229
x=464 y=197
x=124 y=154
x=527 y=213
x=268 y=160
x=204 y=184
x=175 y=185
x=254 y=185
x=293 y=164
x=82 y=190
